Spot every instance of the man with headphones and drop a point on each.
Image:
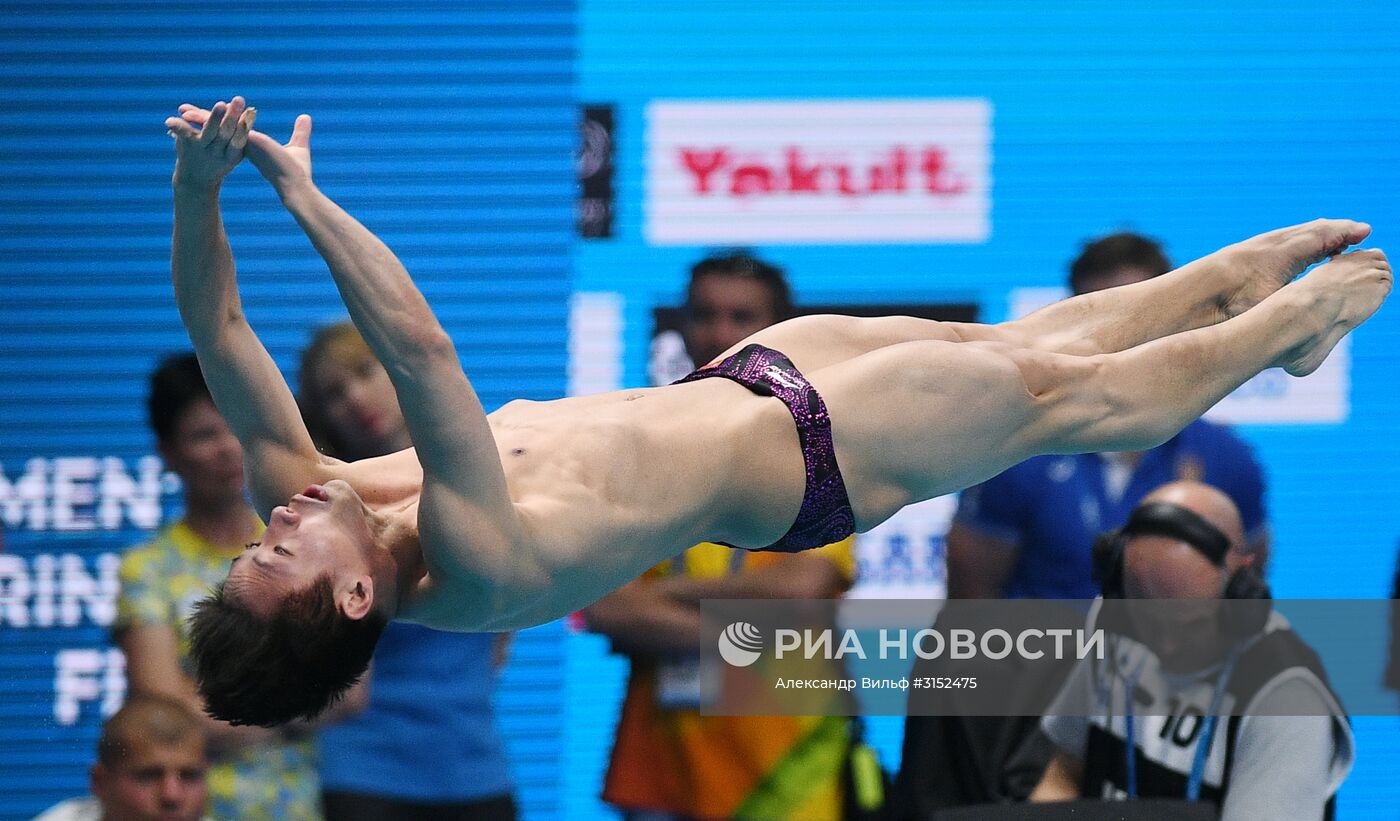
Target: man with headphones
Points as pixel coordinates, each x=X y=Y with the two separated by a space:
x=1195 y=698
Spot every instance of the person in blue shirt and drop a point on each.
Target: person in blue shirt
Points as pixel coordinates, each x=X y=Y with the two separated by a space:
x=1029 y=531
x=425 y=748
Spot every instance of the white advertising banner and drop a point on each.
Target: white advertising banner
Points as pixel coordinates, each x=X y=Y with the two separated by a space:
x=831 y=171
x=905 y=556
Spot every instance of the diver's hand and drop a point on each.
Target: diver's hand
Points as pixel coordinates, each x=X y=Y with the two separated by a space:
x=285 y=166
x=205 y=154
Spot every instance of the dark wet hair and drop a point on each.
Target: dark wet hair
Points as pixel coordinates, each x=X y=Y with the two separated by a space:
x=269 y=670
x=1121 y=250
x=743 y=264
x=176 y=383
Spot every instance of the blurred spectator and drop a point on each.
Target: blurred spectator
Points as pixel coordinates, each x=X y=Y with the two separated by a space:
x=1028 y=532
x=954 y=754
x=669 y=761
x=151 y=766
x=426 y=746
x=1152 y=720
x=255 y=774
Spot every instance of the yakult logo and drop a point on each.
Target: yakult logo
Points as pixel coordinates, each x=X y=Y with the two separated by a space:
x=721 y=171
x=844 y=171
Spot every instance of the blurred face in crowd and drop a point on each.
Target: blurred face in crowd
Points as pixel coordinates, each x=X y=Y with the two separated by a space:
x=1182 y=623
x=1160 y=567
x=1125 y=275
x=358 y=402
x=154 y=781
x=722 y=310
x=1178 y=611
x=206 y=455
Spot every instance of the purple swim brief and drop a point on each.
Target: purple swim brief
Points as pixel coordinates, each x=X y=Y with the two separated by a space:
x=825 y=516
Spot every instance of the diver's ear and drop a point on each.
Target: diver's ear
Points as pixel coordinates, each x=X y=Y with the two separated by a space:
x=358 y=598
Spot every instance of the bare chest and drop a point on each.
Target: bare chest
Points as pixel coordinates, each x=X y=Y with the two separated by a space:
x=663 y=467
x=579 y=451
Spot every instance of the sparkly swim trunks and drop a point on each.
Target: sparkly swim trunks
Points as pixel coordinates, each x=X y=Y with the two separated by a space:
x=825 y=516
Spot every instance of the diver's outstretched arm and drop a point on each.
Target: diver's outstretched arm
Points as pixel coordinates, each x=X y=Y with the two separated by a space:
x=465 y=510
x=244 y=381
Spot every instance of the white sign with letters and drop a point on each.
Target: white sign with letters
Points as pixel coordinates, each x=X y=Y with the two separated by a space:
x=819 y=171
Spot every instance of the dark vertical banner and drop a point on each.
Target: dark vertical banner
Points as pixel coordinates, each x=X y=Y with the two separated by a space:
x=449 y=129
x=597 y=138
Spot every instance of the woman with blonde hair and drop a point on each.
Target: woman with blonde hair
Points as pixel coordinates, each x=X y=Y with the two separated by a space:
x=426 y=747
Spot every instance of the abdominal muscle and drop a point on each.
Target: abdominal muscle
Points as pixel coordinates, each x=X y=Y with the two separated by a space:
x=665 y=466
x=607 y=486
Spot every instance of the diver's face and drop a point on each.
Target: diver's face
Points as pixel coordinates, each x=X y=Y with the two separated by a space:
x=322 y=530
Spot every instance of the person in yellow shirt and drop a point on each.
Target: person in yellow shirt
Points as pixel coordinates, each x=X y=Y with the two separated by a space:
x=669 y=761
x=256 y=774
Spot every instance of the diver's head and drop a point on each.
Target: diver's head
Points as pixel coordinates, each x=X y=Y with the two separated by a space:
x=295 y=623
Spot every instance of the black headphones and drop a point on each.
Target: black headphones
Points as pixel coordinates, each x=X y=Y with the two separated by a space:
x=1176 y=522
